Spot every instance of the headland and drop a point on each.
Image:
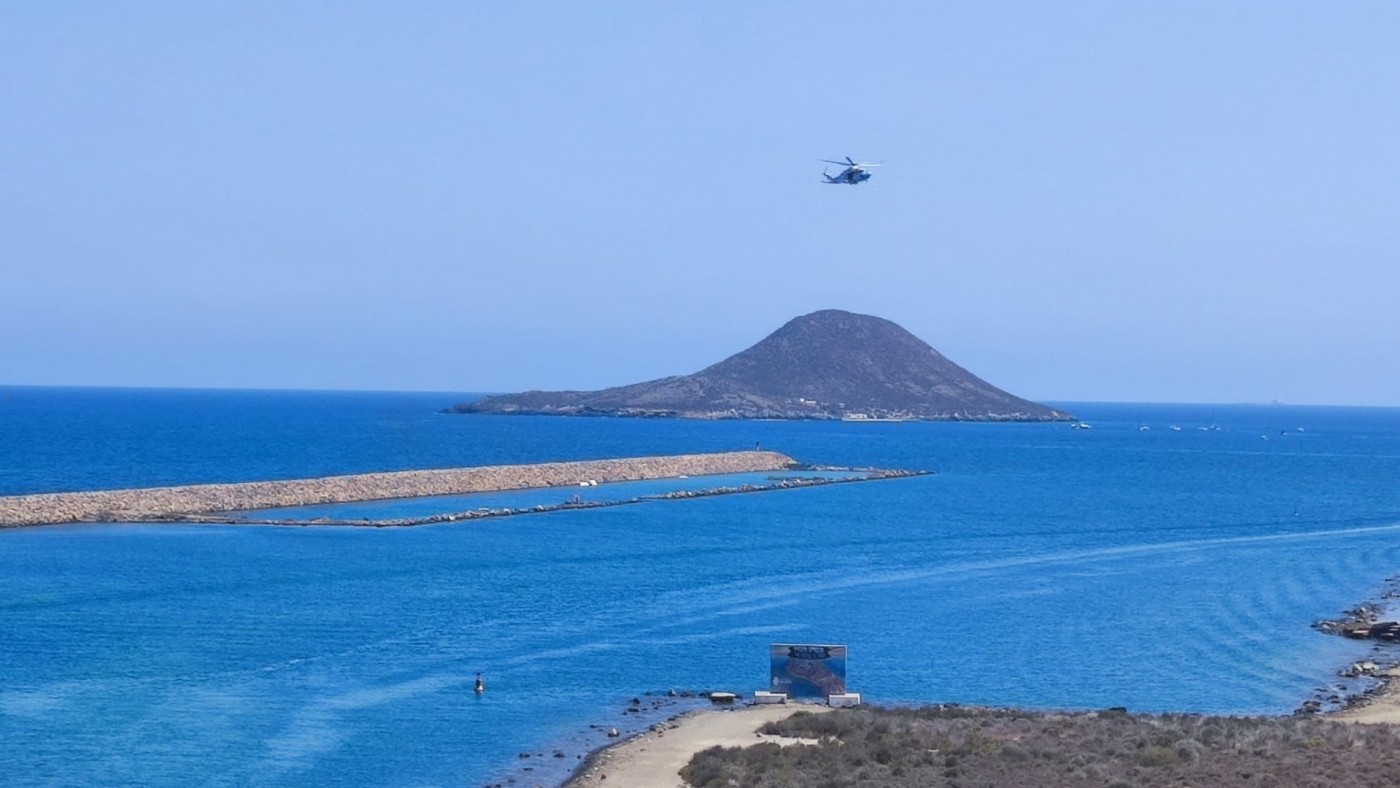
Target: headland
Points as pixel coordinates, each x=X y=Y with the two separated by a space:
x=1015 y=748
x=1320 y=743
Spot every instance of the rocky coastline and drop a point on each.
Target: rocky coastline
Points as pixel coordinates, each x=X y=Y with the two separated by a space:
x=1370 y=680
x=189 y=502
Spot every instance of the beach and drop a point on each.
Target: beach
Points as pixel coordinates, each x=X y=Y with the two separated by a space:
x=654 y=758
x=1382 y=706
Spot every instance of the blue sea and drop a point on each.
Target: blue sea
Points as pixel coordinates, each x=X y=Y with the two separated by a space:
x=1129 y=564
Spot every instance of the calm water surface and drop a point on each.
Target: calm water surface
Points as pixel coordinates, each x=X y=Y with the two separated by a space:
x=1041 y=566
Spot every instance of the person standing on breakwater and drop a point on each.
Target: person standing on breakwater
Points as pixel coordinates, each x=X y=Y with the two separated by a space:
x=480 y=685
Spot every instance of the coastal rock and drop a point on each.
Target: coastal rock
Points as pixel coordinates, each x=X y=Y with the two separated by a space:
x=1367 y=668
x=1386 y=630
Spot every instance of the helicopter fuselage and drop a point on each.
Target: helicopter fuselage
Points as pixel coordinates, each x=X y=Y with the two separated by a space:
x=850 y=176
x=852 y=172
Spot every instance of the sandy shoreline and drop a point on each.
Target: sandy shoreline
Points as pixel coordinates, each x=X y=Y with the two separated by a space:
x=1381 y=707
x=654 y=758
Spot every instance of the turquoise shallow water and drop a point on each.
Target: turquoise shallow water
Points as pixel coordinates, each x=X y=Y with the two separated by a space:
x=1041 y=566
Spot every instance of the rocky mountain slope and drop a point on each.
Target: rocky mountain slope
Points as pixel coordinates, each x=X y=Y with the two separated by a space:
x=825 y=365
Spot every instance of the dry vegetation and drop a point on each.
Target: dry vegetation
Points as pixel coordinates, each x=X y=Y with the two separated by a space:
x=966 y=747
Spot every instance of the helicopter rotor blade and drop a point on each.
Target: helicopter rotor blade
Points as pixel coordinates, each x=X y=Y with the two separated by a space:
x=849 y=162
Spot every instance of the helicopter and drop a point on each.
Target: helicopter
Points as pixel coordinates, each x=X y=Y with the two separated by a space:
x=853 y=174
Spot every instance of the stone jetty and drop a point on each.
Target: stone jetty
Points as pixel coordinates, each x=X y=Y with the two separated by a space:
x=166 y=502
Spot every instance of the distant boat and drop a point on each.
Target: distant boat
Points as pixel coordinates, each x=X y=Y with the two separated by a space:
x=1143 y=428
x=1174 y=428
x=1080 y=425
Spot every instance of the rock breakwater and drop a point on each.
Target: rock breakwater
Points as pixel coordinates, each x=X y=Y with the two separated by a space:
x=773 y=483
x=163 y=503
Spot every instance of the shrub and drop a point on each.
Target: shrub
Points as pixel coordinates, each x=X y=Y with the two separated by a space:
x=903 y=748
x=1188 y=751
x=710 y=769
x=1156 y=755
x=1015 y=752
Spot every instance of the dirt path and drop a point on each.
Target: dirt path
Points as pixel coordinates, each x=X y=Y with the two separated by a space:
x=654 y=759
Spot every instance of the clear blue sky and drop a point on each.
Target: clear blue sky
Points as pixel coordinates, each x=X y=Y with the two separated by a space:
x=1184 y=201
